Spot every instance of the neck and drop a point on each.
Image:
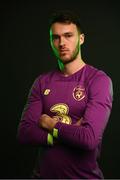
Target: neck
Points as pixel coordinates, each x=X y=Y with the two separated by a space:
x=73 y=66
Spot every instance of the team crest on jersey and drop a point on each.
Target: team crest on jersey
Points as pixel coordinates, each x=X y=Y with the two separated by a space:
x=78 y=93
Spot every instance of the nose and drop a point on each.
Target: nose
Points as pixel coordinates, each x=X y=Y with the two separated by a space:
x=61 y=42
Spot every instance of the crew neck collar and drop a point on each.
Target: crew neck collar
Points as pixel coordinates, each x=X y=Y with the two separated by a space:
x=77 y=72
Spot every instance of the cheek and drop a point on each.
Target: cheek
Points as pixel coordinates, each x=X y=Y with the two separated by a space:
x=74 y=42
x=54 y=45
x=54 y=48
x=74 y=45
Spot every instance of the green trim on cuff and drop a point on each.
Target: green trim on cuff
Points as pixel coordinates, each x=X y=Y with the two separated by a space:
x=55 y=133
x=49 y=139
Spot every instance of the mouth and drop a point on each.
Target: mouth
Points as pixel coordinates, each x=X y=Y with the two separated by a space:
x=64 y=51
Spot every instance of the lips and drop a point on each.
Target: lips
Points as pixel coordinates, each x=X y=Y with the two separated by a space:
x=63 y=51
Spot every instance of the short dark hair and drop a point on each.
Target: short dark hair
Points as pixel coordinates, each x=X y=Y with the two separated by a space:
x=66 y=17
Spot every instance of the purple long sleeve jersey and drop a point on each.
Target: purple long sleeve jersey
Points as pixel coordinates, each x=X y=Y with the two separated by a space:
x=86 y=94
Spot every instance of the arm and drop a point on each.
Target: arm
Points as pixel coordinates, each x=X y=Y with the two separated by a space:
x=88 y=134
x=28 y=131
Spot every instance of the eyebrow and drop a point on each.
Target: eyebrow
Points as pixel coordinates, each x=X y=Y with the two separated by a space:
x=66 y=33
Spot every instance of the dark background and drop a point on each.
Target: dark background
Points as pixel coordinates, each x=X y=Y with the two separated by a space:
x=26 y=53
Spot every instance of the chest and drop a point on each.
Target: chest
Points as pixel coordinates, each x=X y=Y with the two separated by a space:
x=68 y=98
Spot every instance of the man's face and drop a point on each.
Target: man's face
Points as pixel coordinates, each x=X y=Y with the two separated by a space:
x=65 y=41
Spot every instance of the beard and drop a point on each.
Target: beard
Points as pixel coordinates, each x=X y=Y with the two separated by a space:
x=72 y=57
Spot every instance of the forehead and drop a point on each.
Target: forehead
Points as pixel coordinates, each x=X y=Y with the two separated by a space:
x=61 y=28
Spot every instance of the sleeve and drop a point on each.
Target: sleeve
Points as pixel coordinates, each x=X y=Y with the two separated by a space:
x=89 y=134
x=28 y=130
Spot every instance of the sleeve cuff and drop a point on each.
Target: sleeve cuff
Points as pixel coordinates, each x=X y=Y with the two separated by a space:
x=55 y=133
x=49 y=139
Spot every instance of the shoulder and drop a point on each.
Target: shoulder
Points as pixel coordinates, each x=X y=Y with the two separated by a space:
x=46 y=77
x=99 y=81
x=95 y=75
x=41 y=80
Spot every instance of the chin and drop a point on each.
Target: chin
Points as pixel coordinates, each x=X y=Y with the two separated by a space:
x=67 y=61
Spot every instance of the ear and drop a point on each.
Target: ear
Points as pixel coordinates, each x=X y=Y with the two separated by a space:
x=82 y=37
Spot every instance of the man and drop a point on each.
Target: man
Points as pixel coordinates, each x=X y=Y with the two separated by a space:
x=67 y=109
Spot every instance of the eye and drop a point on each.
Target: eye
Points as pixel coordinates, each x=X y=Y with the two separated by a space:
x=68 y=35
x=55 y=37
